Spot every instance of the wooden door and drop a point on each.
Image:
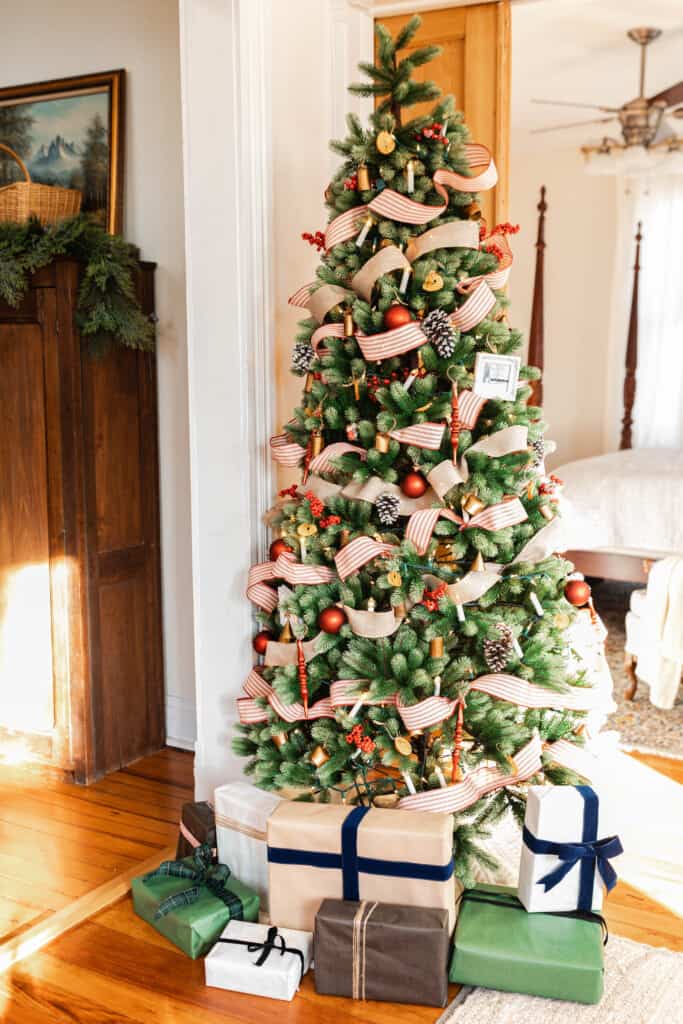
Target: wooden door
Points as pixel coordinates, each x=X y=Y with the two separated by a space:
x=475 y=68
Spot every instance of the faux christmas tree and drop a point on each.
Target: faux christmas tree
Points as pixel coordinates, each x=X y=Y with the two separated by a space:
x=413 y=612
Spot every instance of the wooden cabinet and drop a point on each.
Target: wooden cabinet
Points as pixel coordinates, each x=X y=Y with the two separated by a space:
x=475 y=67
x=81 y=668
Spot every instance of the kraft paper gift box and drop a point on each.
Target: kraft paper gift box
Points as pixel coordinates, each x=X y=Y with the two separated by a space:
x=499 y=945
x=566 y=850
x=386 y=951
x=197 y=828
x=259 y=959
x=180 y=905
x=242 y=811
x=317 y=852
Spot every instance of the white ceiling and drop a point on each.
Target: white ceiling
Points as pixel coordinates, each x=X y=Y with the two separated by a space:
x=578 y=50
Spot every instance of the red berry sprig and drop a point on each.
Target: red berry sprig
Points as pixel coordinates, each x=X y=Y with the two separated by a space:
x=431 y=598
x=329 y=521
x=433 y=131
x=494 y=250
x=316 y=506
x=356 y=739
x=289 y=492
x=351 y=183
x=318 y=239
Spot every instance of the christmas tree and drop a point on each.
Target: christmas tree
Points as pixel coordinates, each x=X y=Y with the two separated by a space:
x=413 y=612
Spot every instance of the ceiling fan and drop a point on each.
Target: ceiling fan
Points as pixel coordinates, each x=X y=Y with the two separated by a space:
x=640 y=118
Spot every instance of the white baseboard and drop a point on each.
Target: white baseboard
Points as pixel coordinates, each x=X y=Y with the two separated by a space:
x=181 y=722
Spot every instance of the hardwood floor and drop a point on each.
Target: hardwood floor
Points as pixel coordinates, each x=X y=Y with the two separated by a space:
x=115 y=969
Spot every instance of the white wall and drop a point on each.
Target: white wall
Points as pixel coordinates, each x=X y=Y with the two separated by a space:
x=43 y=40
x=579 y=263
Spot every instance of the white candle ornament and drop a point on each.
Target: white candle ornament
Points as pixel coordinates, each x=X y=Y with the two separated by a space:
x=410 y=172
x=536 y=604
x=437 y=686
x=405 y=277
x=459 y=611
x=357 y=706
x=516 y=647
x=410 y=785
x=440 y=777
x=364 y=231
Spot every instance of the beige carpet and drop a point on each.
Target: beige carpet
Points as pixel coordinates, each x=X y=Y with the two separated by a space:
x=643 y=985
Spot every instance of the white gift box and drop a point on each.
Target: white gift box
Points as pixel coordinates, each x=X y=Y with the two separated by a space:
x=242 y=811
x=233 y=963
x=561 y=814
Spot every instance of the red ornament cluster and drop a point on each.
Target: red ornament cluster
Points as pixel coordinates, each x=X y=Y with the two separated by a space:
x=355 y=738
x=316 y=506
x=351 y=183
x=277 y=548
x=261 y=641
x=289 y=492
x=431 y=598
x=318 y=239
x=329 y=521
x=331 y=619
x=433 y=132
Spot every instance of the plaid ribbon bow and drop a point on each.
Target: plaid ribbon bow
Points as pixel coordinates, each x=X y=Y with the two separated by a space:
x=201 y=870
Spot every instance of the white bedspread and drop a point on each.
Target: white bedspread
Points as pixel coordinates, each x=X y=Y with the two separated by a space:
x=625 y=501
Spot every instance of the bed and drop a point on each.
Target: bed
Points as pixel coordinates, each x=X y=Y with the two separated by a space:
x=622 y=510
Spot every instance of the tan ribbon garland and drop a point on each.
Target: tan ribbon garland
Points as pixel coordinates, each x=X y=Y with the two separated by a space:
x=504 y=442
x=546 y=542
x=383 y=262
x=371 y=625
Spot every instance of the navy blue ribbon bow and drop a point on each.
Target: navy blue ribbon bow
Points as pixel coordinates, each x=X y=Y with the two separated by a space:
x=588 y=853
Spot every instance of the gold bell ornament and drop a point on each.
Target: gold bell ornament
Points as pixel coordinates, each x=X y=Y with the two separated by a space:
x=472 y=504
x=319 y=756
x=382 y=442
x=436 y=647
x=279 y=739
x=316 y=443
x=349 y=328
x=363 y=178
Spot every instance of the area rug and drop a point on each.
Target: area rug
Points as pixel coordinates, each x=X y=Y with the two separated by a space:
x=640 y=725
x=643 y=985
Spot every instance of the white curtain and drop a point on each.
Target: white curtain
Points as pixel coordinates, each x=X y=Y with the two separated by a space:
x=657 y=201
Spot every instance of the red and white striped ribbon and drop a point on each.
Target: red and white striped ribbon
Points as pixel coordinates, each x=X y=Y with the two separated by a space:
x=479 y=304
x=286 y=452
x=251 y=712
x=284 y=568
x=421 y=523
x=469 y=407
x=498 y=278
x=301 y=295
x=453 y=799
x=323 y=463
x=358 y=553
x=421 y=435
x=325 y=331
x=344 y=226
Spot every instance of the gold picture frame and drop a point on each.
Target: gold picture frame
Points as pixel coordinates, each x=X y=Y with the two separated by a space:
x=70 y=132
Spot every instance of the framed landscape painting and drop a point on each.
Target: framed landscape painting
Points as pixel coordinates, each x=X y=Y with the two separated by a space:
x=69 y=132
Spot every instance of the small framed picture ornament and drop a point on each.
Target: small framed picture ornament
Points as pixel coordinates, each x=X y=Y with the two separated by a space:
x=496 y=376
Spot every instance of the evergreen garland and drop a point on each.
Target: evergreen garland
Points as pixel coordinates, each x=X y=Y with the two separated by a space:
x=108 y=310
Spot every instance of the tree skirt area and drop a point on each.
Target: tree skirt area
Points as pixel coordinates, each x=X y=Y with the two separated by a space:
x=643 y=985
x=640 y=725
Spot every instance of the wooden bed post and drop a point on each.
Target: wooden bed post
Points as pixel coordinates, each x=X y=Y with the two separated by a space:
x=535 y=357
x=631 y=353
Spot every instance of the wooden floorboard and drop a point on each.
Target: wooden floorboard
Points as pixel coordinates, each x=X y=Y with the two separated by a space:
x=114 y=969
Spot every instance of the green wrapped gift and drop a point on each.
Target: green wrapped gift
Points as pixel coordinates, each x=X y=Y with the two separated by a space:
x=499 y=945
x=190 y=901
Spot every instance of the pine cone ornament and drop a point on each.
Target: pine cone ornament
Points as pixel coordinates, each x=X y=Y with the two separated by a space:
x=497 y=652
x=387 y=506
x=302 y=357
x=538 y=447
x=440 y=333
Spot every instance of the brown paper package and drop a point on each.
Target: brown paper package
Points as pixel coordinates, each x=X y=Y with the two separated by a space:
x=382 y=951
x=198 y=819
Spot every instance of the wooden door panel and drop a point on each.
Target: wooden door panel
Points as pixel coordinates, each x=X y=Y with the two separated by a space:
x=475 y=68
x=26 y=672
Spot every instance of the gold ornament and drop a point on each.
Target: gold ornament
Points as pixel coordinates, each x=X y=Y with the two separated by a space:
x=344 y=537
x=385 y=800
x=319 y=755
x=385 y=142
x=400 y=611
x=473 y=211
x=308 y=386
x=307 y=529
x=444 y=553
x=403 y=747
x=436 y=647
x=382 y=443
x=316 y=443
x=348 y=323
x=394 y=579
x=472 y=504
x=478 y=563
x=433 y=282
x=285 y=636
x=363 y=178
x=279 y=739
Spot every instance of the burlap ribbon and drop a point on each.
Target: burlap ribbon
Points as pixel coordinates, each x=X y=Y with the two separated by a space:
x=448 y=473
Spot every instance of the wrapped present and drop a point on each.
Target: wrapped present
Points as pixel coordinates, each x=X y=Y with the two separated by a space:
x=242 y=811
x=317 y=852
x=191 y=901
x=259 y=959
x=566 y=850
x=197 y=828
x=499 y=945
x=386 y=951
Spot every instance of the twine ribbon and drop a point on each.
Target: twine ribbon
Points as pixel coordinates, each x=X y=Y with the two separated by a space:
x=358 y=940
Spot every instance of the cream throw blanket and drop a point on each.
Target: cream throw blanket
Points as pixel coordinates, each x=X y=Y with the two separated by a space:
x=660 y=659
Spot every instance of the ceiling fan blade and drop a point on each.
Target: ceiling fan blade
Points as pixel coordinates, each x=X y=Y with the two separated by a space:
x=671 y=96
x=574 y=124
x=569 y=103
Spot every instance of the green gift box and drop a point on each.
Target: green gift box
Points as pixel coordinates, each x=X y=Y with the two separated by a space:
x=499 y=945
x=190 y=901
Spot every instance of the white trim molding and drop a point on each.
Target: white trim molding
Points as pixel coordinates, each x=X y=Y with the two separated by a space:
x=225 y=69
x=387 y=8
x=180 y=722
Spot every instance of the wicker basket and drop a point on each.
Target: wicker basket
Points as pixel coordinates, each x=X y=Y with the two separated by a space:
x=25 y=199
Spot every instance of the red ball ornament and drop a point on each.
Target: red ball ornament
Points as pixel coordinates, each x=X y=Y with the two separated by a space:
x=396 y=316
x=277 y=548
x=577 y=592
x=413 y=485
x=261 y=640
x=332 y=619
